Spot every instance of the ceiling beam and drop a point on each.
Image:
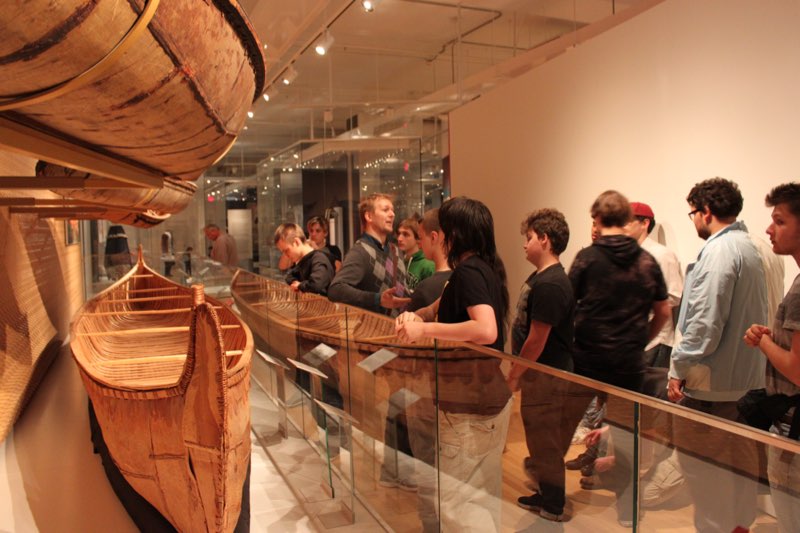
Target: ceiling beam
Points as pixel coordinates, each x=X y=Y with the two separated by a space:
x=31 y=142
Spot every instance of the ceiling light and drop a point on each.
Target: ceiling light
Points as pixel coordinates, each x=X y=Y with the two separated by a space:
x=270 y=94
x=250 y=114
x=324 y=43
x=289 y=75
x=369 y=5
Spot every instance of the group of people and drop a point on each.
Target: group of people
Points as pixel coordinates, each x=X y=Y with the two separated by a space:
x=609 y=318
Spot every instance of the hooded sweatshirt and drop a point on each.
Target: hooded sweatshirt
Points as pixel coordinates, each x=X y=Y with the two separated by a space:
x=616 y=283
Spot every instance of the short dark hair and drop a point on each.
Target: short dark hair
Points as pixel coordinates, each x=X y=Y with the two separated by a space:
x=550 y=222
x=612 y=208
x=651 y=226
x=721 y=196
x=787 y=193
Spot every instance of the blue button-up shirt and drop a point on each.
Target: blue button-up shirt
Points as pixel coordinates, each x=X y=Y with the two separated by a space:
x=725 y=293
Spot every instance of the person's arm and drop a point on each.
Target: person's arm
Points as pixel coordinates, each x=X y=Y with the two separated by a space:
x=661 y=315
x=320 y=277
x=674 y=278
x=344 y=287
x=787 y=362
x=531 y=350
x=481 y=328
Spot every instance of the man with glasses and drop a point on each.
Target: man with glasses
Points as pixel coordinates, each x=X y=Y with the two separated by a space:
x=725 y=292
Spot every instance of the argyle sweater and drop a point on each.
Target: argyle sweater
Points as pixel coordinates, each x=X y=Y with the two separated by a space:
x=367 y=271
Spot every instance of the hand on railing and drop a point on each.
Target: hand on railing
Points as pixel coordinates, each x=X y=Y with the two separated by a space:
x=408 y=327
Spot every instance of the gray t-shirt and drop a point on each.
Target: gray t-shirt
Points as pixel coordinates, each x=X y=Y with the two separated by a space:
x=787 y=321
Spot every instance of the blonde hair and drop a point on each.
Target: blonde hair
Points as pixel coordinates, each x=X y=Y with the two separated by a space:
x=367 y=205
x=288 y=232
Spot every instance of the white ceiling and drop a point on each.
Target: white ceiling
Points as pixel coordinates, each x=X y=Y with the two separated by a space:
x=406 y=59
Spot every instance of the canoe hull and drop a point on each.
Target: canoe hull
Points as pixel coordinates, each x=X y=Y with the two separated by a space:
x=173 y=102
x=182 y=438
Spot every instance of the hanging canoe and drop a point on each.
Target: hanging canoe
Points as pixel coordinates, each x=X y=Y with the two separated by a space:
x=164 y=86
x=168 y=373
x=132 y=206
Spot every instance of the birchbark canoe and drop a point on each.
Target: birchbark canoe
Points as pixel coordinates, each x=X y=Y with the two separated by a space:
x=132 y=206
x=164 y=85
x=292 y=324
x=168 y=373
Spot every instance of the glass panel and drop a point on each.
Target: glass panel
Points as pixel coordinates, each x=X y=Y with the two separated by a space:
x=424 y=436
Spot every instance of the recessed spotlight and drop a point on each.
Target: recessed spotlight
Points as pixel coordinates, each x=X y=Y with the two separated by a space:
x=250 y=114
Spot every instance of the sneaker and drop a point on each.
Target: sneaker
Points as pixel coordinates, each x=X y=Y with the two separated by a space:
x=534 y=503
x=402 y=484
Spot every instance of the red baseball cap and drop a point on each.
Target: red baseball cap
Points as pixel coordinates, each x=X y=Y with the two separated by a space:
x=642 y=210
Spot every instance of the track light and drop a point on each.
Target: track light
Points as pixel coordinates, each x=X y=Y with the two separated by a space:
x=250 y=114
x=289 y=75
x=270 y=94
x=324 y=43
x=369 y=5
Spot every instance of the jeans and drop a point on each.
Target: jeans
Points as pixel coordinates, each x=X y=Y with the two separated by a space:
x=551 y=408
x=471 y=470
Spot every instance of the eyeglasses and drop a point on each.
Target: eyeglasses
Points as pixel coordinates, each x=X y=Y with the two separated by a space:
x=693 y=212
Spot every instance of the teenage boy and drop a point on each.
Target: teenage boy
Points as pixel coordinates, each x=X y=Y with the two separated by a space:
x=417 y=266
x=542 y=332
x=431 y=241
x=372 y=276
x=313 y=271
x=781 y=345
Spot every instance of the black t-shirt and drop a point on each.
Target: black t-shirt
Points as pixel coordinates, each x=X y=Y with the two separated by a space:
x=548 y=299
x=333 y=253
x=473 y=282
x=469 y=381
x=428 y=290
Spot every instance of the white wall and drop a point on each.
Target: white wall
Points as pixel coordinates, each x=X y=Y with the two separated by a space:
x=685 y=91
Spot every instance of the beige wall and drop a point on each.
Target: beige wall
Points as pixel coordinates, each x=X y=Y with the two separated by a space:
x=685 y=91
x=41 y=286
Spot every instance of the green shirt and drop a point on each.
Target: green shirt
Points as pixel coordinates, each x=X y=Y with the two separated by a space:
x=418 y=268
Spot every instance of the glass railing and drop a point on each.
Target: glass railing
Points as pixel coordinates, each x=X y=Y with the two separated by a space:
x=428 y=437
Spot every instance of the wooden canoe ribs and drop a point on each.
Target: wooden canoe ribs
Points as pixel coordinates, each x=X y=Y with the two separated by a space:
x=168 y=373
x=133 y=90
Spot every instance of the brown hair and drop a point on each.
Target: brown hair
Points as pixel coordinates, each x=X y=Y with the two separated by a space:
x=411 y=224
x=612 y=208
x=317 y=220
x=550 y=222
x=430 y=221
